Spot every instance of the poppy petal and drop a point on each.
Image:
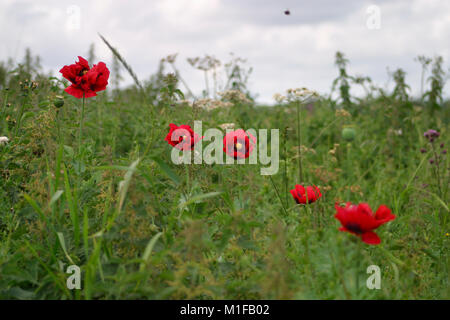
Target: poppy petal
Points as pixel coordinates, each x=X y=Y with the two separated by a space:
x=370 y=238
x=72 y=90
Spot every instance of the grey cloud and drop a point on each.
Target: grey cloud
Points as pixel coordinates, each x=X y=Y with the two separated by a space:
x=285 y=51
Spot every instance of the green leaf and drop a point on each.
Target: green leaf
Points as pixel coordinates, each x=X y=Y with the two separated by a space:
x=55 y=197
x=69 y=151
x=149 y=249
x=63 y=246
x=19 y=293
x=198 y=198
x=125 y=183
x=166 y=169
x=72 y=207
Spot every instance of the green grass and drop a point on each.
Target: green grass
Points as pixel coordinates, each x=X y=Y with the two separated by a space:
x=140 y=227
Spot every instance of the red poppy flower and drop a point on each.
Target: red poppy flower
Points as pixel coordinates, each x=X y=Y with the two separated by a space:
x=182 y=137
x=85 y=81
x=361 y=221
x=238 y=144
x=300 y=194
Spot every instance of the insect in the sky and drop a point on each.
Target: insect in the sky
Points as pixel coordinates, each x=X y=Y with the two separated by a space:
x=287 y=12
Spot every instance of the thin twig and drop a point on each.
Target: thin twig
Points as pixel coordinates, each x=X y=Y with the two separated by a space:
x=278 y=195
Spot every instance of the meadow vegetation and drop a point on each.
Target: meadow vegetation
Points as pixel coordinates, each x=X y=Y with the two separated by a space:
x=140 y=227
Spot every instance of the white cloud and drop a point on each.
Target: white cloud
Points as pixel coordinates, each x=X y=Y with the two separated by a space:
x=285 y=51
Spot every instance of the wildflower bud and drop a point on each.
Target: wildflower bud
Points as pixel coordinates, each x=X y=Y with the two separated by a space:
x=348 y=133
x=423 y=150
x=442 y=145
x=431 y=161
x=444 y=151
x=59 y=102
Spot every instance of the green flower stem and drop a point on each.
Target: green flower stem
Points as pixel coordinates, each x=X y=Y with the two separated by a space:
x=285 y=167
x=437 y=170
x=359 y=258
x=299 y=139
x=80 y=133
x=278 y=195
x=5 y=102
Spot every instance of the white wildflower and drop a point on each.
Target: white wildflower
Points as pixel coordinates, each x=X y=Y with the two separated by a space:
x=301 y=94
x=225 y=126
x=279 y=98
x=235 y=96
x=211 y=104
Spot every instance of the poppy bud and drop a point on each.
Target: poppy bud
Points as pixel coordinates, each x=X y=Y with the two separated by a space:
x=348 y=133
x=59 y=102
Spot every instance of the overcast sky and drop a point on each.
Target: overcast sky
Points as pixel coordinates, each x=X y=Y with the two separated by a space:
x=285 y=51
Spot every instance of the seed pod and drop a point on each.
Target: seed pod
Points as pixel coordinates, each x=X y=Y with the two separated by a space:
x=59 y=101
x=348 y=133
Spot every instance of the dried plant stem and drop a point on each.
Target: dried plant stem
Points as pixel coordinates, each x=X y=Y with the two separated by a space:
x=206 y=83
